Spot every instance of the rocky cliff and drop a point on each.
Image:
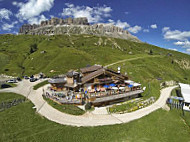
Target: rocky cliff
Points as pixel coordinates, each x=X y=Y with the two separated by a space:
x=57 y=26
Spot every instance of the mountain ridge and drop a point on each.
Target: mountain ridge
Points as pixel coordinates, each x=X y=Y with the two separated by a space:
x=57 y=26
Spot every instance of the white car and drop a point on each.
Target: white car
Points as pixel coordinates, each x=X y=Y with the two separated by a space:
x=11 y=81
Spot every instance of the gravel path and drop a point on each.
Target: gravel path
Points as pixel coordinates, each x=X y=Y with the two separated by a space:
x=25 y=88
x=131 y=59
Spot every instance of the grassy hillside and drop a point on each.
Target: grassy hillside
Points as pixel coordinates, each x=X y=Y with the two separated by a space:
x=21 y=123
x=23 y=55
x=152 y=71
x=52 y=55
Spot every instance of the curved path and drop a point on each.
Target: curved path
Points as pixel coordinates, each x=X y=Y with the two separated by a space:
x=131 y=59
x=88 y=119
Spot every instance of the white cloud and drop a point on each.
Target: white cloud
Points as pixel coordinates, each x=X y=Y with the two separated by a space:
x=179 y=43
x=154 y=26
x=146 y=30
x=181 y=38
x=165 y=29
x=15 y=32
x=8 y=27
x=111 y=21
x=126 y=13
x=37 y=20
x=122 y=24
x=33 y=8
x=135 y=29
x=185 y=44
x=18 y=4
x=174 y=49
x=176 y=35
x=5 y=14
x=51 y=16
x=94 y=14
x=126 y=26
x=188 y=50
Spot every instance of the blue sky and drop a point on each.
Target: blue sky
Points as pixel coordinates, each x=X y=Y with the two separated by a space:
x=164 y=23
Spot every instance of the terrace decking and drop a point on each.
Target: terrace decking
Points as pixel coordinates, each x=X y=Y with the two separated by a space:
x=116 y=97
x=101 y=100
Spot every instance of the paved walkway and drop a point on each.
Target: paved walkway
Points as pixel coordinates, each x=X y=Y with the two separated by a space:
x=88 y=119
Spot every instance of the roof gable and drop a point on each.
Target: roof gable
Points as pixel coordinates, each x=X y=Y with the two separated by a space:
x=92 y=75
x=90 y=69
x=102 y=71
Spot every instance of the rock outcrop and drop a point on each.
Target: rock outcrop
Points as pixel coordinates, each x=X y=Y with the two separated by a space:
x=57 y=26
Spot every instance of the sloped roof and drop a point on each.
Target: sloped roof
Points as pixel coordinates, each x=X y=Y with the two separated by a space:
x=93 y=75
x=71 y=73
x=90 y=69
x=57 y=80
x=99 y=72
x=116 y=73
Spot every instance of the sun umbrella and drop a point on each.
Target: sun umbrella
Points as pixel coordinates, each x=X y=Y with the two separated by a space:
x=114 y=88
x=130 y=86
x=121 y=88
x=112 y=85
x=106 y=86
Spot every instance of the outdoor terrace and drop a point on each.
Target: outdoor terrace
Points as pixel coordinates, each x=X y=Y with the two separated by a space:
x=116 y=97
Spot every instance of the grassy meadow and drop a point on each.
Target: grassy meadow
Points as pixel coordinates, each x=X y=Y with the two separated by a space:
x=53 y=55
x=66 y=108
x=21 y=123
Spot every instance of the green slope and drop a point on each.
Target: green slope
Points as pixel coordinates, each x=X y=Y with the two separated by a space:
x=63 y=53
x=72 y=52
x=20 y=57
x=21 y=123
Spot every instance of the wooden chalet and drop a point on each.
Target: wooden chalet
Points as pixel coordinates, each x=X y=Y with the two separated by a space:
x=94 y=83
x=98 y=76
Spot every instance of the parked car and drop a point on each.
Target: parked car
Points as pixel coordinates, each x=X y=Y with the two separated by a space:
x=5 y=86
x=33 y=79
x=19 y=79
x=26 y=77
x=12 y=81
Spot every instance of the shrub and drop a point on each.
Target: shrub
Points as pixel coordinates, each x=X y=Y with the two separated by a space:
x=6 y=69
x=88 y=106
x=33 y=48
x=151 y=52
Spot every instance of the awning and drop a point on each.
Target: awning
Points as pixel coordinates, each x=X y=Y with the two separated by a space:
x=112 y=85
x=130 y=86
x=136 y=84
x=114 y=88
x=106 y=86
x=185 y=91
x=121 y=88
x=129 y=81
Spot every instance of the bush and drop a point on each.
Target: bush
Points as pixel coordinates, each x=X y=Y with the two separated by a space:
x=151 y=52
x=88 y=106
x=33 y=48
x=6 y=69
